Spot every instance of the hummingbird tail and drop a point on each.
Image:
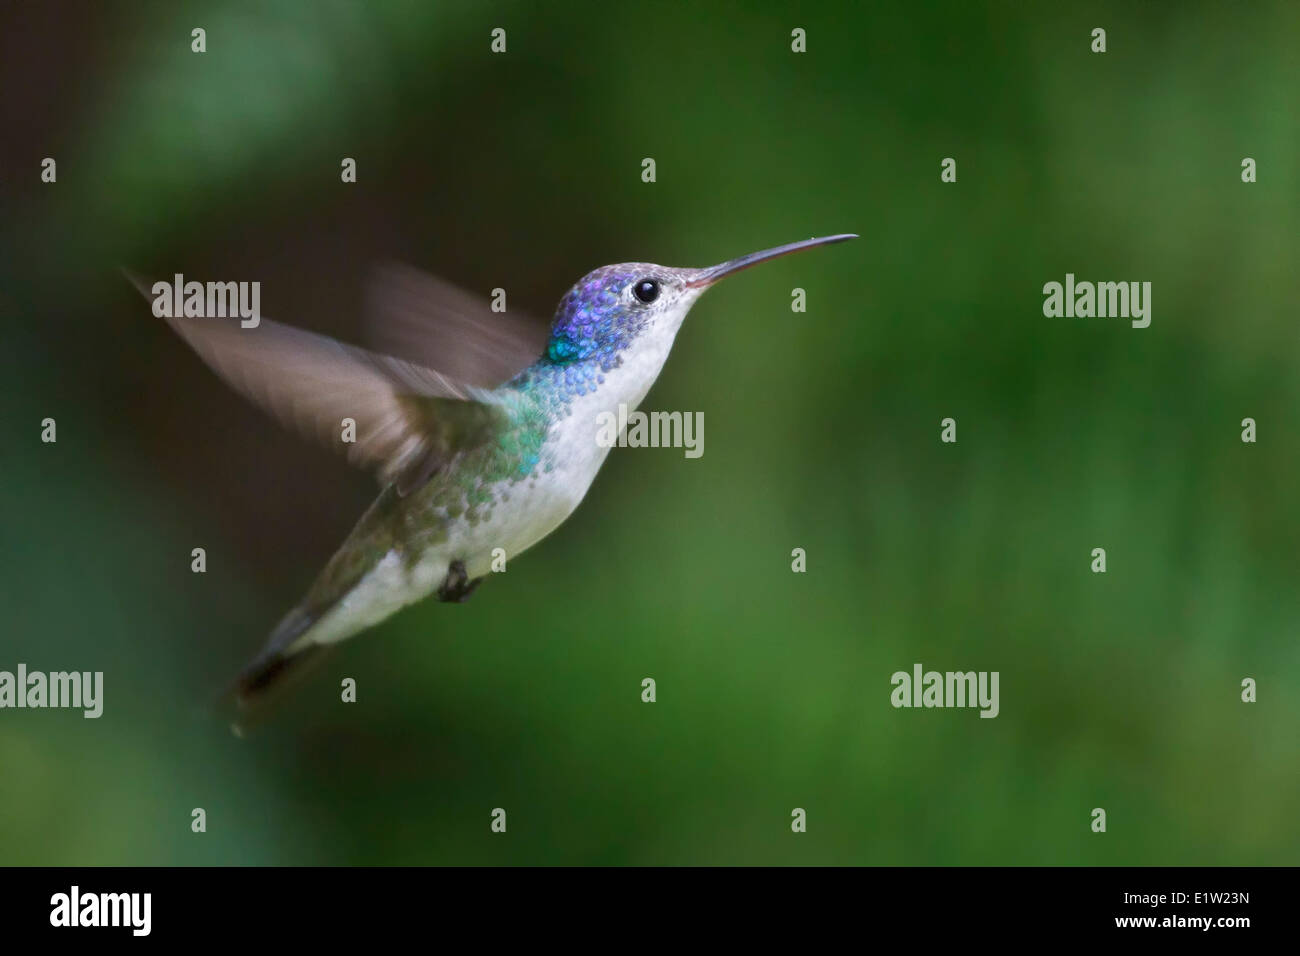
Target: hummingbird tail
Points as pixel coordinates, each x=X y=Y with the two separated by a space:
x=279 y=664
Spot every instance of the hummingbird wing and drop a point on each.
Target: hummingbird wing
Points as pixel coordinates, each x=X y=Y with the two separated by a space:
x=431 y=321
x=410 y=421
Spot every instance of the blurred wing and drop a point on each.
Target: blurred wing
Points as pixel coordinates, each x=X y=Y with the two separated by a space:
x=434 y=323
x=410 y=421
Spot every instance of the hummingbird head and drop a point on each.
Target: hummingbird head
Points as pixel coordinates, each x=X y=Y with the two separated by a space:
x=613 y=307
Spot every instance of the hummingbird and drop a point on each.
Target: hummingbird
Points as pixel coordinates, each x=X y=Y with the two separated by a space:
x=484 y=438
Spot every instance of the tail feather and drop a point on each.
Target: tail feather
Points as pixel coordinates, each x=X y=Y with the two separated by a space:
x=290 y=650
x=280 y=663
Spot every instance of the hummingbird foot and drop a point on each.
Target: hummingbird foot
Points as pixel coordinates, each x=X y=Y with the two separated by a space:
x=457 y=586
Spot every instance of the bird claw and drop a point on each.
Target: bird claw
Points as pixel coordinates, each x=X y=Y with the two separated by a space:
x=456 y=586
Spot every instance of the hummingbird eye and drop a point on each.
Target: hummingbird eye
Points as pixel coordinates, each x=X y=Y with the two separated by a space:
x=647 y=290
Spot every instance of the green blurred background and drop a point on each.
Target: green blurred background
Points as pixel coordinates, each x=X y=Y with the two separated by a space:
x=523 y=171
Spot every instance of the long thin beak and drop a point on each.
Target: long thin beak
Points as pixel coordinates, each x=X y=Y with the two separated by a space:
x=707 y=277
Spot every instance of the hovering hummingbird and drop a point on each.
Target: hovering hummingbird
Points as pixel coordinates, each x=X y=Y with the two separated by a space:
x=492 y=450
